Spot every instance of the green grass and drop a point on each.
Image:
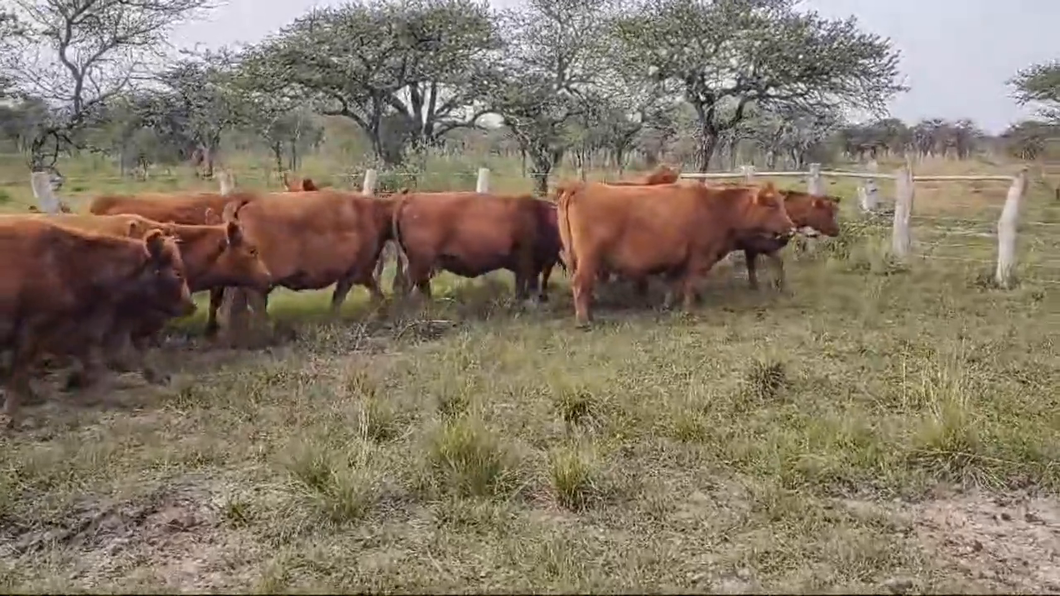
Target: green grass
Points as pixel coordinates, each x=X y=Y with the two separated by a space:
x=848 y=437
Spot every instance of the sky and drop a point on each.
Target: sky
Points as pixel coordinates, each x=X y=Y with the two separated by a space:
x=956 y=54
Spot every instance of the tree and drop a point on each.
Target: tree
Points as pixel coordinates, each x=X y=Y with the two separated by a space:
x=792 y=131
x=1039 y=85
x=1029 y=139
x=422 y=62
x=200 y=93
x=735 y=53
x=553 y=61
x=11 y=34
x=80 y=53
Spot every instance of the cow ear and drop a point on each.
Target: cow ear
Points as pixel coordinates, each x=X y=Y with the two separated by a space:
x=155 y=242
x=133 y=227
x=229 y=213
x=211 y=218
x=817 y=204
x=234 y=233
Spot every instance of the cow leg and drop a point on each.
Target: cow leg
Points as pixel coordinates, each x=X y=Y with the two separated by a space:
x=22 y=358
x=640 y=288
x=419 y=276
x=128 y=356
x=777 y=263
x=526 y=279
x=216 y=298
x=342 y=289
x=582 y=287
x=750 y=257
x=546 y=273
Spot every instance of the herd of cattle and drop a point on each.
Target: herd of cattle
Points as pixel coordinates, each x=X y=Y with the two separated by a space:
x=98 y=288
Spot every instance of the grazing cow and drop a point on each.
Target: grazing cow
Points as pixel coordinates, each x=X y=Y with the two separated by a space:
x=298 y=184
x=811 y=214
x=311 y=240
x=471 y=234
x=63 y=287
x=674 y=229
x=188 y=209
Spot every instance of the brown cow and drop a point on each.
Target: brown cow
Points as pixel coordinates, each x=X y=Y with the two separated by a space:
x=811 y=214
x=298 y=184
x=471 y=234
x=662 y=174
x=311 y=240
x=675 y=229
x=188 y=209
x=60 y=280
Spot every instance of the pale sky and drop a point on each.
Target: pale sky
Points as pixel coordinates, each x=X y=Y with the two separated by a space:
x=956 y=54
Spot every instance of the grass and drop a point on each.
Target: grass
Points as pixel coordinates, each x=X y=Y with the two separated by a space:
x=766 y=441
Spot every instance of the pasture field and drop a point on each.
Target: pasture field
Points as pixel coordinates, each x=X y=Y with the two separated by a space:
x=879 y=428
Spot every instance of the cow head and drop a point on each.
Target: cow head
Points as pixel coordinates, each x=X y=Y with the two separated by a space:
x=767 y=212
x=812 y=214
x=165 y=288
x=238 y=261
x=663 y=174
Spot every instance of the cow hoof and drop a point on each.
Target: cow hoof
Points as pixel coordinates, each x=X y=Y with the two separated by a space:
x=75 y=381
x=211 y=330
x=7 y=422
x=155 y=377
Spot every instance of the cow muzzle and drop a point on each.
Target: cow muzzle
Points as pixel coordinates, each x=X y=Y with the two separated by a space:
x=809 y=232
x=785 y=235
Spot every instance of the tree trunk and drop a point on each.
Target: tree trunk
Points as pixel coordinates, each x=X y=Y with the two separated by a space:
x=277 y=154
x=708 y=144
x=542 y=169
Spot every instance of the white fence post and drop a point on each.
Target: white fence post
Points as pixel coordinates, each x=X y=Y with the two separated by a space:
x=868 y=192
x=41 y=183
x=370 y=179
x=748 y=172
x=903 y=211
x=482 y=185
x=814 y=184
x=226 y=181
x=1006 y=230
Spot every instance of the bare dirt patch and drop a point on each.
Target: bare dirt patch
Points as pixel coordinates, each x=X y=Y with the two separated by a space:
x=1009 y=543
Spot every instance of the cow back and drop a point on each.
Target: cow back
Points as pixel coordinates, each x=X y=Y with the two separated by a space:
x=175 y=208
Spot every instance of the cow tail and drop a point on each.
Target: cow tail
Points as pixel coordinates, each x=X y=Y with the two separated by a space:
x=566 y=197
x=401 y=260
